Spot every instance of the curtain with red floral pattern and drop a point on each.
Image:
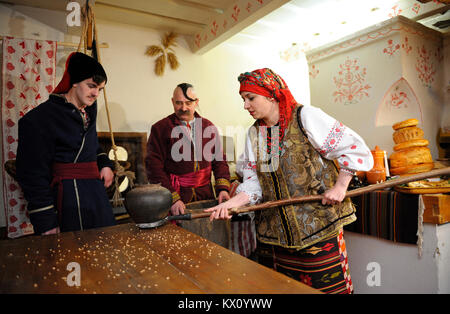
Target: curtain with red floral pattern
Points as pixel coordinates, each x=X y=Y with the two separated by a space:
x=28 y=77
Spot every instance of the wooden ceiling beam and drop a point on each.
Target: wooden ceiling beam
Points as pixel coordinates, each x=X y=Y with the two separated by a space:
x=40 y=4
x=125 y=9
x=197 y=5
x=235 y=19
x=441 y=1
x=442 y=10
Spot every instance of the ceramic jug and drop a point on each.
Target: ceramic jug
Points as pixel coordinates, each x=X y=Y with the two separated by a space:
x=378 y=172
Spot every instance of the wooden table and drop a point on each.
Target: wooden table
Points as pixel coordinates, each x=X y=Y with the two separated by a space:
x=126 y=259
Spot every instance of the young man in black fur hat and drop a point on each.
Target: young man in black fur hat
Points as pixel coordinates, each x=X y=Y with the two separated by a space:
x=60 y=167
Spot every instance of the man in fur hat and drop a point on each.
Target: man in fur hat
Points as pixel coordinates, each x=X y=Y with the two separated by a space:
x=60 y=167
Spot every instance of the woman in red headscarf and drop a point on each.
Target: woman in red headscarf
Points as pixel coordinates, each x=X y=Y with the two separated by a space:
x=289 y=153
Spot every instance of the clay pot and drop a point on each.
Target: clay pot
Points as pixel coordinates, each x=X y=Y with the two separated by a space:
x=378 y=172
x=148 y=203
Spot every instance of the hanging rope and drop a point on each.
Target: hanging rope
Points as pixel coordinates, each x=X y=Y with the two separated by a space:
x=86 y=35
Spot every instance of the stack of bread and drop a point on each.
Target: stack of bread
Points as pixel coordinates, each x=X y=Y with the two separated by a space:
x=411 y=153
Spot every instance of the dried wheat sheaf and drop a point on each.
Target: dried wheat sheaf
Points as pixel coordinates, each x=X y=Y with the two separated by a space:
x=165 y=53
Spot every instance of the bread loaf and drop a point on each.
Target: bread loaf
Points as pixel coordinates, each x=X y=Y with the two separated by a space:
x=407 y=134
x=409 y=144
x=410 y=156
x=405 y=124
x=411 y=169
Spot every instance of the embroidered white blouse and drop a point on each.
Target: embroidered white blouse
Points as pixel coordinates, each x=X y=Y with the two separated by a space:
x=332 y=139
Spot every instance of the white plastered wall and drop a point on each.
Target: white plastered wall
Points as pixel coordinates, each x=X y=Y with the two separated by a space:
x=137 y=98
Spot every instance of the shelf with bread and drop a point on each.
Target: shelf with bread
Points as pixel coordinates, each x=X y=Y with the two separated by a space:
x=411 y=155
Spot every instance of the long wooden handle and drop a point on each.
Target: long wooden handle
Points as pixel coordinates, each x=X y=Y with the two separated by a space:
x=352 y=193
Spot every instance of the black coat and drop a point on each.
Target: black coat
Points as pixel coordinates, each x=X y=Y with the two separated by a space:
x=54 y=132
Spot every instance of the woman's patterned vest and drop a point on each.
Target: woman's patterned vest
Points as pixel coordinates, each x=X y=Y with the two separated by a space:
x=299 y=170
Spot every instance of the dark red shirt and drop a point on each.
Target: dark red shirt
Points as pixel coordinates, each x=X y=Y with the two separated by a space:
x=169 y=141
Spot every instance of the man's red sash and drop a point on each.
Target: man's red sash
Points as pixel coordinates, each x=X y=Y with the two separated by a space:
x=65 y=171
x=191 y=180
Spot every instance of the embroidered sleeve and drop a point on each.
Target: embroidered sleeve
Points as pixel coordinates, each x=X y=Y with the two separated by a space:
x=335 y=141
x=246 y=167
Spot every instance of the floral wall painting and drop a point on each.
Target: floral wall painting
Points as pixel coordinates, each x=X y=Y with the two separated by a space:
x=406 y=46
x=350 y=83
x=391 y=48
x=294 y=52
x=399 y=103
x=395 y=11
x=425 y=67
x=313 y=71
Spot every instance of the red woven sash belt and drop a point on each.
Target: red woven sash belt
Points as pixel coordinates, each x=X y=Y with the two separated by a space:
x=67 y=171
x=192 y=179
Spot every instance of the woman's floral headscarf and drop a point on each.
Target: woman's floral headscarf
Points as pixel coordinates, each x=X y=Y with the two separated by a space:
x=267 y=83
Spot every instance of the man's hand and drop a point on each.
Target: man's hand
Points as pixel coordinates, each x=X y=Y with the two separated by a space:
x=177 y=208
x=107 y=176
x=223 y=196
